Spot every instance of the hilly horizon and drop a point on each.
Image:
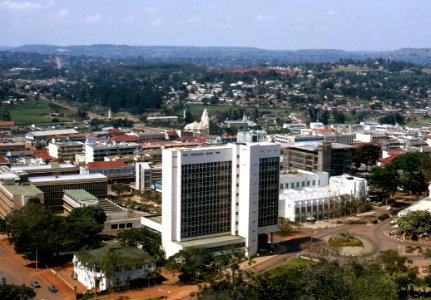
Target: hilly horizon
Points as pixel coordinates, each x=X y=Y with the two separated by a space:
x=224 y=56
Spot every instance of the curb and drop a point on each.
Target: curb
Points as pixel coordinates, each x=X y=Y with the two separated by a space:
x=62 y=279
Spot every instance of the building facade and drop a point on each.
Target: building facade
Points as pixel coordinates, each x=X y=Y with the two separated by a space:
x=219 y=197
x=131 y=263
x=53 y=187
x=333 y=158
x=65 y=151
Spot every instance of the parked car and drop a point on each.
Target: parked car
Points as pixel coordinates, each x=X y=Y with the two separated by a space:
x=35 y=284
x=52 y=288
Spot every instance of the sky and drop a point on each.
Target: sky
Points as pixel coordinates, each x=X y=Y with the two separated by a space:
x=266 y=24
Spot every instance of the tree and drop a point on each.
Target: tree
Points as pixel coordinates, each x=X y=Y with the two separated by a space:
x=366 y=154
x=285 y=225
x=410 y=162
x=194 y=264
x=415 y=222
x=145 y=239
x=95 y=213
x=384 y=179
x=35 y=227
x=5 y=116
x=16 y=292
x=81 y=228
x=392 y=262
x=120 y=189
x=82 y=113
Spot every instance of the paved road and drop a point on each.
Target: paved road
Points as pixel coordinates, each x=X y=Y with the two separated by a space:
x=17 y=271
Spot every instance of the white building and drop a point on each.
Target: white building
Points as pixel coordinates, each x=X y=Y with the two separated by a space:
x=318 y=202
x=219 y=197
x=132 y=263
x=355 y=187
x=314 y=203
x=98 y=151
x=300 y=179
x=144 y=176
x=65 y=151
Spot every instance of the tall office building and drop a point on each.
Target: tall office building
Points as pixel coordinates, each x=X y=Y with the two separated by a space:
x=219 y=197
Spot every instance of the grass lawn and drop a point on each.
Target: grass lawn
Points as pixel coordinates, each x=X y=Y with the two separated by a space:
x=35 y=112
x=292 y=263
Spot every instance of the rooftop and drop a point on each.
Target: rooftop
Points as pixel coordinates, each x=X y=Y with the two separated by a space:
x=106 y=164
x=81 y=195
x=26 y=190
x=228 y=239
x=127 y=255
x=74 y=177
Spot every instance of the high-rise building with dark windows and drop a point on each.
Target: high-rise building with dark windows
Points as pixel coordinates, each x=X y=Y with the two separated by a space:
x=220 y=197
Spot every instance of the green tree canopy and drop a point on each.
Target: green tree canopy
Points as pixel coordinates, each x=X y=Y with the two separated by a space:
x=415 y=222
x=384 y=179
x=367 y=154
x=36 y=228
x=144 y=238
x=16 y=292
x=194 y=264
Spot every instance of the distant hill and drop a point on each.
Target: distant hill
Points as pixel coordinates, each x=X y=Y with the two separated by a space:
x=225 y=56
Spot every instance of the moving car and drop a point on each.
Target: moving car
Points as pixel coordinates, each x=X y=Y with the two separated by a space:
x=35 y=284
x=52 y=288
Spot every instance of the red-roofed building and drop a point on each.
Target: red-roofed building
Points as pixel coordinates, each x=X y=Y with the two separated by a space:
x=125 y=138
x=115 y=131
x=7 y=125
x=116 y=171
x=44 y=155
x=389 y=155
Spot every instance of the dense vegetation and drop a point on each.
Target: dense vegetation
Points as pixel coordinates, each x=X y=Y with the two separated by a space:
x=36 y=229
x=138 y=86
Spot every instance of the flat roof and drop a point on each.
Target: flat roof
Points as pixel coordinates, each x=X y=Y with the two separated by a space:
x=313 y=146
x=81 y=195
x=53 y=132
x=157 y=219
x=212 y=240
x=42 y=167
x=68 y=177
x=24 y=190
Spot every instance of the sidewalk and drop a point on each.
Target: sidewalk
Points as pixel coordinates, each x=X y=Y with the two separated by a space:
x=65 y=274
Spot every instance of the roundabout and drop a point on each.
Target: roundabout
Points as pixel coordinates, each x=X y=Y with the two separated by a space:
x=346 y=244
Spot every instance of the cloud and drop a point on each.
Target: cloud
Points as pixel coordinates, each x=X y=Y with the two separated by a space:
x=93 y=18
x=129 y=19
x=188 y=21
x=228 y=18
x=331 y=12
x=424 y=32
x=261 y=17
x=62 y=13
x=156 y=23
x=193 y=20
x=150 y=9
x=19 y=6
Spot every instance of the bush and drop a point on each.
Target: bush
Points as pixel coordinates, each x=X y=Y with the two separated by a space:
x=373 y=221
x=383 y=216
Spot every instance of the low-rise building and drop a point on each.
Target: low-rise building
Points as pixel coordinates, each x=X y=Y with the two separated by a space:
x=334 y=158
x=78 y=198
x=16 y=196
x=51 y=169
x=65 y=151
x=129 y=264
x=54 y=186
x=116 y=170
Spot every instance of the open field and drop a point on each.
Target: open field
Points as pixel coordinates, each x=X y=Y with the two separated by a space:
x=35 y=112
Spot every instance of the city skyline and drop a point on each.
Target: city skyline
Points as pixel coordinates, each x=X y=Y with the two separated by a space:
x=274 y=24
